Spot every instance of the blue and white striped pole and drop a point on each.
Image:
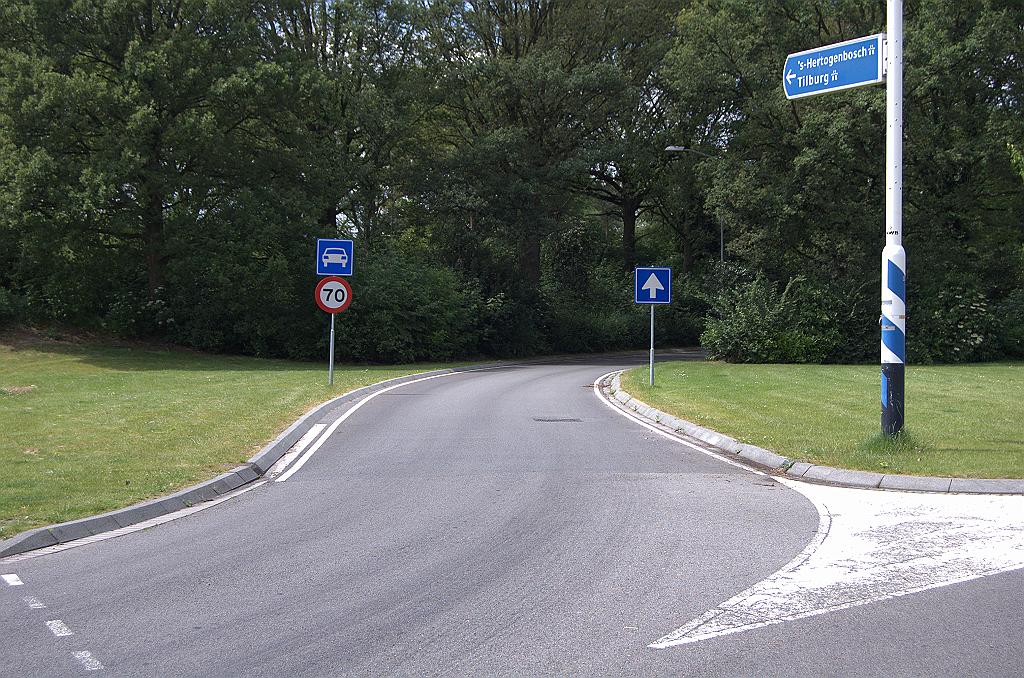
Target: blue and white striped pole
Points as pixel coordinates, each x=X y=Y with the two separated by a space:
x=894 y=257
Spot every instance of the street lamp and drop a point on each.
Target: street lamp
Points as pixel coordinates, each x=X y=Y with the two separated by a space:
x=721 y=226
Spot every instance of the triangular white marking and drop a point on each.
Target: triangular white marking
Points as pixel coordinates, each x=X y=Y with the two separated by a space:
x=873 y=546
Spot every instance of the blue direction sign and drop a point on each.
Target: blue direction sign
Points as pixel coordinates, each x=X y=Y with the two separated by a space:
x=853 y=63
x=333 y=257
x=653 y=286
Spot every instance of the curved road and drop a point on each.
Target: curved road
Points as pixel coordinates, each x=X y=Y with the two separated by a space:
x=497 y=522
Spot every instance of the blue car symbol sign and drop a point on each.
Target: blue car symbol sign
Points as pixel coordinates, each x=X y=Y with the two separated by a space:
x=333 y=257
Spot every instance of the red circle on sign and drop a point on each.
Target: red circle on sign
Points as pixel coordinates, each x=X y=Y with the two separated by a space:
x=333 y=294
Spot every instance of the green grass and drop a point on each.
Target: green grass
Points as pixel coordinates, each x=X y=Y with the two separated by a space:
x=88 y=428
x=962 y=421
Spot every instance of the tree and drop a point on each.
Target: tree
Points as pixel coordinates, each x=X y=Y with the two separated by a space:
x=802 y=184
x=125 y=123
x=523 y=92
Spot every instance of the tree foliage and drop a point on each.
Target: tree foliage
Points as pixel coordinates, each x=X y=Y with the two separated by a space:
x=166 y=166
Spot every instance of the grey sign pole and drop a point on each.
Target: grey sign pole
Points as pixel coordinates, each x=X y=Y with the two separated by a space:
x=330 y=360
x=652 y=344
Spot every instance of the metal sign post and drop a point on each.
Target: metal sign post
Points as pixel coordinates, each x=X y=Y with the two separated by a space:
x=333 y=295
x=330 y=361
x=652 y=344
x=854 y=63
x=894 y=257
x=652 y=285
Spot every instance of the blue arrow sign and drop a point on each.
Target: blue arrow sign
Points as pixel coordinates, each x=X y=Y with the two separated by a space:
x=653 y=286
x=333 y=257
x=853 y=63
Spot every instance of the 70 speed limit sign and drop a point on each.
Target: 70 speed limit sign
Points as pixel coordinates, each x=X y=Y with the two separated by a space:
x=333 y=294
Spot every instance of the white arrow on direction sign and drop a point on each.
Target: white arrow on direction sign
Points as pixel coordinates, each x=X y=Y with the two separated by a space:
x=790 y=76
x=653 y=285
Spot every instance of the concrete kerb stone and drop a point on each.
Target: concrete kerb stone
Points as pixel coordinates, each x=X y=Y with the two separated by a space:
x=915 y=483
x=688 y=429
x=798 y=469
x=39 y=538
x=804 y=470
x=986 y=486
x=211 y=489
x=844 y=477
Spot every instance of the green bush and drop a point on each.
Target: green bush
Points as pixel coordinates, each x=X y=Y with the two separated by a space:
x=1011 y=313
x=513 y=328
x=11 y=307
x=406 y=308
x=954 y=324
x=752 y=321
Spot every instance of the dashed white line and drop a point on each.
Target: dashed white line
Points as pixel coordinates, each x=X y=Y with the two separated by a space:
x=88 y=662
x=59 y=628
x=12 y=579
x=34 y=603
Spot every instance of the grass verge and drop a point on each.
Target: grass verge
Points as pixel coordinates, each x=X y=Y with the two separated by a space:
x=962 y=420
x=88 y=428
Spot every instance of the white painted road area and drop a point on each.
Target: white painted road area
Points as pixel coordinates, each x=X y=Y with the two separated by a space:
x=871 y=546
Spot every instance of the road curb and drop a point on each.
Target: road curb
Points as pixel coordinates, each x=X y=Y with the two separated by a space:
x=252 y=470
x=728 y=447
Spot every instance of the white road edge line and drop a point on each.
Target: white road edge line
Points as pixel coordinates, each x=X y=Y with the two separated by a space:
x=352 y=410
x=209 y=504
x=12 y=579
x=59 y=628
x=88 y=662
x=824 y=524
x=665 y=434
x=282 y=463
x=824 y=517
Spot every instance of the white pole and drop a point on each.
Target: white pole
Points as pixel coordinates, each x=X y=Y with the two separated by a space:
x=894 y=127
x=330 y=360
x=894 y=257
x=652 y=344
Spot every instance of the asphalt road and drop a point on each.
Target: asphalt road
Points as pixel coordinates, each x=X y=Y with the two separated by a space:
x=503 y=522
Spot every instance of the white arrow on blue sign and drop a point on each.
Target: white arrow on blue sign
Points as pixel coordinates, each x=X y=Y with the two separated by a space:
x=653 y=286
x=334 y=257
x=853 y=63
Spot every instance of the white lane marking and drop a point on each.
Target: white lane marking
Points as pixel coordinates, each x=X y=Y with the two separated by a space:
x=296 y=450
x=88 y=662
x=352 y=410
x=201 y=507
x=872 y=546
x=34 y=603
x=153 y=522
x=12 y=579
x=59 y=628
x=665 y=434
